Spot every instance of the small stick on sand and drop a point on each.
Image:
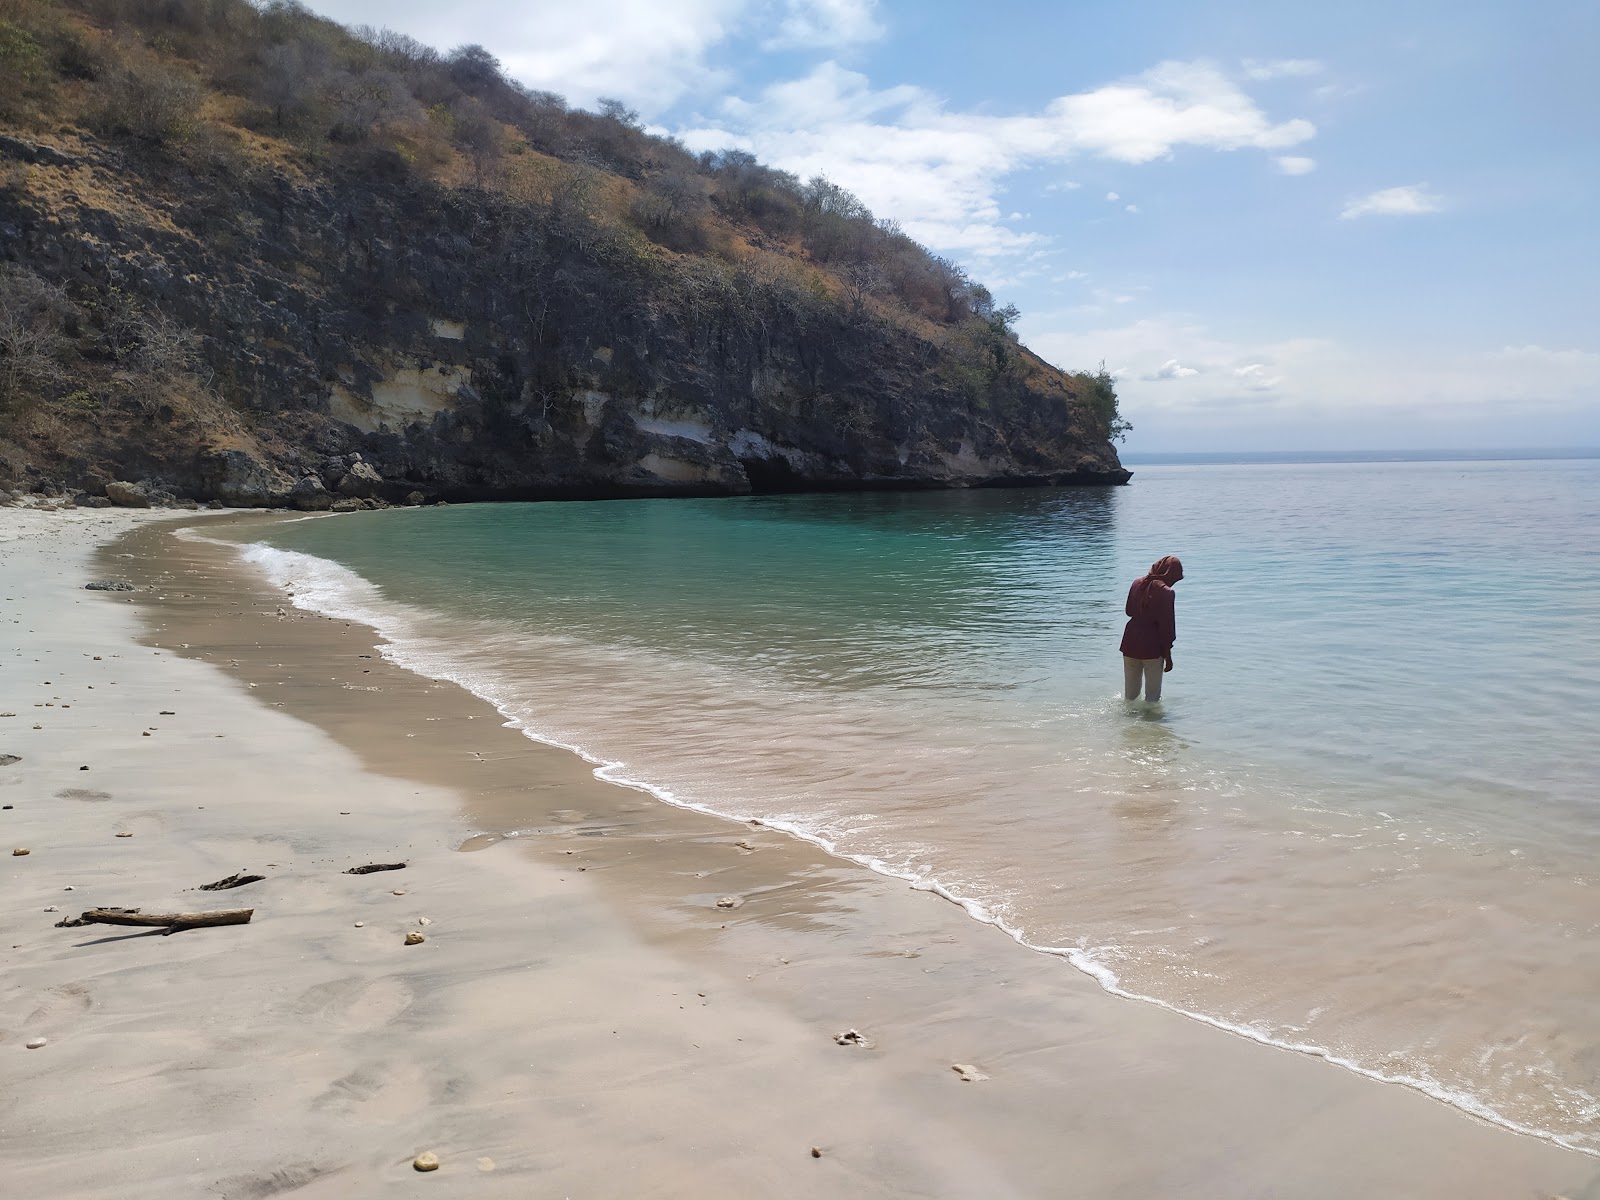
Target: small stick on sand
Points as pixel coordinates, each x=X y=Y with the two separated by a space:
x=232 y=881
x=371 y=867
x=172 y=921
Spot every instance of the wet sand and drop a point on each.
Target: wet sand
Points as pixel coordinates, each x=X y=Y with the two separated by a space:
x=582 y=1019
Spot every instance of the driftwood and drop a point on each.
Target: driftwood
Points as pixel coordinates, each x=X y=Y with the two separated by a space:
x=232 y=881
x=371 y=867
x=172 y=921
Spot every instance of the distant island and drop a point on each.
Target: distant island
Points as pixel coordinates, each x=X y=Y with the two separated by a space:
x=251 y=257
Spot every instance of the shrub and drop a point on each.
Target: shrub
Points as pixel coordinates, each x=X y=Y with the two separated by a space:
x=1103 y=404
x=32 y=317
x=150 y=104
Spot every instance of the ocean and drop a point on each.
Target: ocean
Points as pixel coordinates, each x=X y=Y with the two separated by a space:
x=1363 y=823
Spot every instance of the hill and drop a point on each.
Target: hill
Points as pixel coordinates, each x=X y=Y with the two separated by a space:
x=243 y=248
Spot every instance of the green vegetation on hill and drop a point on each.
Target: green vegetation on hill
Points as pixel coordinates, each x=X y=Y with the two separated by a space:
x=242 y=228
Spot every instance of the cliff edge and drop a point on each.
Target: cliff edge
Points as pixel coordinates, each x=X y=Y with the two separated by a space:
x=249 y=256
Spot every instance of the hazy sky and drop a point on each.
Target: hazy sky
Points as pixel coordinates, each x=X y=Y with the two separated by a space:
x=1284 y=226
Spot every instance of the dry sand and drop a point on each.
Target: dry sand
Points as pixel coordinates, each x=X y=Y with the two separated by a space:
x=582 y=1020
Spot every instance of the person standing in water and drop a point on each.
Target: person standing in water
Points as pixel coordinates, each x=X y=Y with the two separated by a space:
x=1151 y=630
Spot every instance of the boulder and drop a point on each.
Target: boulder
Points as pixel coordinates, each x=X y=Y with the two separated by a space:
x=415 y=499
x=240 y=480
x=310 y=496
x=347 y=504
x=360 y=481
x=128 y=495
x=85 y=500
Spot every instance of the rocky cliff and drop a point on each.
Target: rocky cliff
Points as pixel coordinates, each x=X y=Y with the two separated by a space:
x=240 y=312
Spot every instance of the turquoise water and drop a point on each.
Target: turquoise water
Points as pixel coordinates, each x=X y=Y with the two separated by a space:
x=1362 y=823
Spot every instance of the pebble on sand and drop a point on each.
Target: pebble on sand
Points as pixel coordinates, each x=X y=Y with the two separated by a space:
x=426 y=1161
x=816 y=1152
x=850 y=1037
x=124 y=835
x=361 y=924
x=729 y=901
x=968 y=1072
x=415 y=938
x=486 y=1163
x=20 y=851
x=36 y=1043
x=398 y=892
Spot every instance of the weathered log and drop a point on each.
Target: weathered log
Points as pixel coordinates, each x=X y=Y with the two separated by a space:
x=172 y=921
x=371 y=867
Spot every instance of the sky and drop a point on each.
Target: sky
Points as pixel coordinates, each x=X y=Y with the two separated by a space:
x=1281 y=226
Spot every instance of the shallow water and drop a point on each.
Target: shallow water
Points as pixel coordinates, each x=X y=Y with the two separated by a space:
x=1363 y=823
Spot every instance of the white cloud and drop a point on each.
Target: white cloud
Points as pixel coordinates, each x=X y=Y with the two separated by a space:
x=1113 y=197
x=1295 y=164
x=826 y=23
x=1412 y=200
x=939 y=172
x=1182 y=382
x=1065 y=185
x=1281 y=68
x=642 y=51
x=1133 y=208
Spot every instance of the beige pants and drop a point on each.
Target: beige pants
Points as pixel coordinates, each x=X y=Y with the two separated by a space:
x=1146 y=671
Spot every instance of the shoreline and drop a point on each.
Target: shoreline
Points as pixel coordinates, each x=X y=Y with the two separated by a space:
x=1128 y=1099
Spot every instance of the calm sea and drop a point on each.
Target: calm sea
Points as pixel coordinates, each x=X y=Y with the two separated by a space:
x=1364 y=822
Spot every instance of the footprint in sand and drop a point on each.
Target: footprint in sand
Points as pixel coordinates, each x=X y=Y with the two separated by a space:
x=387 y=1090
x=357 y=1003
x=59 y=1010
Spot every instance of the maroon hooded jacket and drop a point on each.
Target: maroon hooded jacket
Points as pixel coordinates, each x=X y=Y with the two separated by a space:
x=1152 y=625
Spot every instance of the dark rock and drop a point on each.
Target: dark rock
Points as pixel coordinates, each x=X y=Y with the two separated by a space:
x=345 y=504
x=109 y=585
x=239 y=479
x=415 y=499
x=310 y=496
x=34 y=152
x=84 y=500
x=7 y=759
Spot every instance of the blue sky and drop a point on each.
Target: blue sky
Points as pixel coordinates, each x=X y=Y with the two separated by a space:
x=1284 y=226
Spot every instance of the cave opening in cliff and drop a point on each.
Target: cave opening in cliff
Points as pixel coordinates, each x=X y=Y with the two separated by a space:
x=769 y=476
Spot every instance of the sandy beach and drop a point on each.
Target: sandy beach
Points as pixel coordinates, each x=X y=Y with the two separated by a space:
x=582 y=1019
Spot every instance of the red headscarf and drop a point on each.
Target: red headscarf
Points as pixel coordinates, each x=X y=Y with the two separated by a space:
x=1164 y=571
